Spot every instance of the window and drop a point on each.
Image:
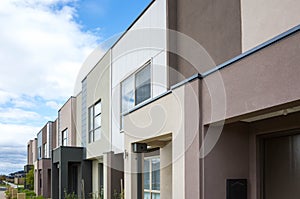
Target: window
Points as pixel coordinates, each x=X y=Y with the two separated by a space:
x=152 y=178
x=45 y=151
x=142 y=85
x=95 y=122
x=65 y=137
x=135 y=90
x=40 y=152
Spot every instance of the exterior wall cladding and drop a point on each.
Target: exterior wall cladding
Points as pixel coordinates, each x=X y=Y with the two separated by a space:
x=197 y=99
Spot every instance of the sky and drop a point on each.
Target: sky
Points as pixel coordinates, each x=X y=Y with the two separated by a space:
x=43 y=44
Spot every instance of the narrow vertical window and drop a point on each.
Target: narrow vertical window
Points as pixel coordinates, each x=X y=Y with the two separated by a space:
x=152 y=178
x=45 y=151
x=65 y=137
x=95 y=122
x=91 y=124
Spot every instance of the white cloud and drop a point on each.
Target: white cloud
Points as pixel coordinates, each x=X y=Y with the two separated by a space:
x=53 y=104
x=15 y=115
x=6 y=96
x=42 y=49
x=17 y=135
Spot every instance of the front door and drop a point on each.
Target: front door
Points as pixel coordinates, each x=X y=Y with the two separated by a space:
x=281 y=168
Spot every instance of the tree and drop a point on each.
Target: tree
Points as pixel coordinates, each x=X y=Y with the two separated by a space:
x=30 y=179
x=2 y=177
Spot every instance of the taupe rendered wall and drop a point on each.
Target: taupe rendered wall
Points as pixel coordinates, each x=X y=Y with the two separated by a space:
x=30 y=152
x=229 y=159
x=67 y=120
x=44 y=165
x=267 y=78
x=215 y=25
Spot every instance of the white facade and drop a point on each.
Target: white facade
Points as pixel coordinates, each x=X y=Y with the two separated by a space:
x=128 y=57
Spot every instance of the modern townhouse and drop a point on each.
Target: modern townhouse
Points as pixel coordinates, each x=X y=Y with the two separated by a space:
x=84 y=162
x=226 y=125
x=31 y=155
x=70 y=173
x=45 y=142
x=96 y=133
x=197 y=99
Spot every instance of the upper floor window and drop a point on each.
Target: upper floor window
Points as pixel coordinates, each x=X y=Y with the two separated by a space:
x=65 y=137
x=45 y=150
x=40 y=152
x=95 y=122
x=135 y=89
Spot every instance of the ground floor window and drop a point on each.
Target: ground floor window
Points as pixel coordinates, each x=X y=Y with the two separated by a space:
x=152 y=178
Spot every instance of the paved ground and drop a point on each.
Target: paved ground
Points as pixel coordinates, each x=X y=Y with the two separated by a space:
x=2 y=195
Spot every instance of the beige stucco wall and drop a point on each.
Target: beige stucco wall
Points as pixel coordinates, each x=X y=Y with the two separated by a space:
x=264 y=19
x=155 y=119
x=168 y=115
x=98 y=88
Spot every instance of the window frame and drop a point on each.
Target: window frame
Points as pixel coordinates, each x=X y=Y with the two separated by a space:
x=150 y=190
x=147 y=64
x=45 y=150
x=40 y=152
x=65 y=138
x=92 y=130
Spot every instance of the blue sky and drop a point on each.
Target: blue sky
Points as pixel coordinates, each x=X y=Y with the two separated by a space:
x=43 y=45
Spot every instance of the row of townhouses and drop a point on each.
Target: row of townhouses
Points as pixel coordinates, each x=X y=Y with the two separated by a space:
x=197 y=99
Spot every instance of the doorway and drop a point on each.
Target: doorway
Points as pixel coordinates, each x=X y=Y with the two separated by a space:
x=281 y=167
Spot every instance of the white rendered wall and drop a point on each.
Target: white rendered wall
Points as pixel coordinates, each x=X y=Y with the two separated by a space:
x=145 y=41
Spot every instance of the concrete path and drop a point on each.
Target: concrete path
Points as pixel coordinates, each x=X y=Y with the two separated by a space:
x=2 y=196
x=12 y=185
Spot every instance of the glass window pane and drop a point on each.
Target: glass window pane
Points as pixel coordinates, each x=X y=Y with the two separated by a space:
x=97 y=134
x=147 y=174
x=147 y=195
x=156 y=174
x=122 y=122
x=97 y=108
x=155 y=196
x=143 y=85
x=91 y=136
x=91 y=118
x=127 y=94
x=97 y=121
x=65 y=137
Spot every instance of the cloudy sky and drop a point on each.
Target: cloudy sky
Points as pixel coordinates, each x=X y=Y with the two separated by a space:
x=43 y=44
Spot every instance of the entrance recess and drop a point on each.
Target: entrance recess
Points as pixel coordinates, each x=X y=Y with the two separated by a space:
x=281 y=168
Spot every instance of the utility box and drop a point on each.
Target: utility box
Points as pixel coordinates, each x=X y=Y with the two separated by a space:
x=139 y=148
x=236 y=189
